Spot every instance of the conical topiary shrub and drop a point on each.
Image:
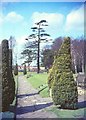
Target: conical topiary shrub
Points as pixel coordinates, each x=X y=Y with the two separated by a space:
x=64 y=89
x=5 y=76
x=51 y=77
x=11 y=78
x=25 y=71
x=50 y=80
x=16 y=69
x=8 y=84
x=64 y=92
x=51 y=74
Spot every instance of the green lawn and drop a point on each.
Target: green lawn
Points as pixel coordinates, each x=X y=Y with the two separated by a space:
x=61 y=113
x=39 y=81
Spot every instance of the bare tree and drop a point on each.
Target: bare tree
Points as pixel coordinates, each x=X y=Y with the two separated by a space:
x=78 y=56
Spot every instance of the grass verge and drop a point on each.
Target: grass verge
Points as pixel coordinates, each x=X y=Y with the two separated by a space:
x=61 y=113
x=39 y=81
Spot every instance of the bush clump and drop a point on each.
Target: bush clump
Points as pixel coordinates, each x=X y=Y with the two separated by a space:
x=25 y=70
x=64 y=88
x=8 y=84
x=5 y=76
x=11 y=78
x=50 y=78
x=64 y=92
x=16 y=69
x=51 y=75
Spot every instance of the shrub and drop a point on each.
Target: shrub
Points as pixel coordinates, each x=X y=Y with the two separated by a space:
x=52 y=73
x=11 y=78
x=16 y=69
x=5 y=76
x=25 y=71
x=8 y=84
x=64 y=89
x=50 y=78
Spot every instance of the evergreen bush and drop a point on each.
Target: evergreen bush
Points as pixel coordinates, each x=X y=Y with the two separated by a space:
x=25 y=71
x=64 y=92
x=16 y=69
x=64 y=89
x=11 y=78
x=5 y=76
x=52 y=72
x=51 y=77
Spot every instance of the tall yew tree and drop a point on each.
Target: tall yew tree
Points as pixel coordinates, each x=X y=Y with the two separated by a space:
x=11 y=78
x=5 y=76
x=8 y=84
x=64 y=89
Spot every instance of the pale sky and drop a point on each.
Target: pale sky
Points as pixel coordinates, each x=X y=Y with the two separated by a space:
x=42 y=0
x=17 y=18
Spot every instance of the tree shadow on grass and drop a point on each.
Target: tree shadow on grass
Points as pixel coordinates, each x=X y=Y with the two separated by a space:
x=82 y=104
x=26 y=95
x=33 y=108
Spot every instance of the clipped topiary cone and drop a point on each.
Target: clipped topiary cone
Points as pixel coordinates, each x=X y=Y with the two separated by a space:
x=64 y=88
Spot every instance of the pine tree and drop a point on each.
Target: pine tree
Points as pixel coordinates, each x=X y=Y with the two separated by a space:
x=64 y=89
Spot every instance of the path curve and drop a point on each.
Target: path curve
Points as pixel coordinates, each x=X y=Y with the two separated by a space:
x=30 y=104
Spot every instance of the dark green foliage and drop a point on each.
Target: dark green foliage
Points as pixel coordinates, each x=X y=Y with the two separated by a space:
x=16 y=69
x=25 y=71
x=64 y=89
x=51 y=77
x=8 y=84
x=11 y=78
x=48 y=57
x=5 y=76
x=52 y=72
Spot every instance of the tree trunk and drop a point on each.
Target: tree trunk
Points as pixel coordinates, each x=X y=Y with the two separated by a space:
x=50 y=92
x=75 y=65
x=83 y=69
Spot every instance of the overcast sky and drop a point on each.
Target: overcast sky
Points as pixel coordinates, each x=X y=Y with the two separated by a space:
x=64 y=19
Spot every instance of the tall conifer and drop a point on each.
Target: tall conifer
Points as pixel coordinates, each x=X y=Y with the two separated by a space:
x=64 y=89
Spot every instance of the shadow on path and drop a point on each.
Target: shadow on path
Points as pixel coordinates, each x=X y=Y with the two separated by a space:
x=25 y=95
x=82 y=104
x=26 y=109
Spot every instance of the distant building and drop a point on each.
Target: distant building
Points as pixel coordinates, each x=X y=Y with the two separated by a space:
x=31 y=68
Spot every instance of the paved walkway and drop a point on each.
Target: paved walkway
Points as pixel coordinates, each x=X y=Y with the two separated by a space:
x=30 y=104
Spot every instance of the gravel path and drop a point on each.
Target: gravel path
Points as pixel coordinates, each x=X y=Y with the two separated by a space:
x=30 y=104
